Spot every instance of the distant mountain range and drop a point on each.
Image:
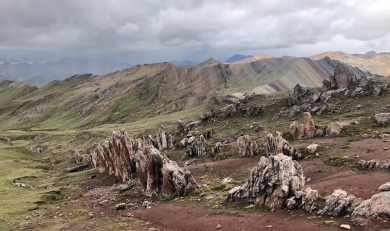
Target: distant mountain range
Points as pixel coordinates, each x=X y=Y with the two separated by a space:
x=237 y=57
x=183 y=63
x=373 y=62
x=43 y=73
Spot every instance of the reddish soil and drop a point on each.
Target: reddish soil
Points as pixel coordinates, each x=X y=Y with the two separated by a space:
x=194 y=213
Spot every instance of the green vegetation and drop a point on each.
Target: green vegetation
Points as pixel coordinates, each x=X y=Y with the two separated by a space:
x=339 y=160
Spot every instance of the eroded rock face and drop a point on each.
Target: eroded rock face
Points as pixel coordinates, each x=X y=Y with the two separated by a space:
x=246 y=146
x=337 y=203
x=334 y=129
x=382 y=118
x=296 y=95
x=374 y=212
x=278 y=144
x=198 y=147
x=128 y=158
x=270 y=183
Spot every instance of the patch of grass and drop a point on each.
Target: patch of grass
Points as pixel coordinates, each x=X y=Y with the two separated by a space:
x=339 y=160
x=328 y=223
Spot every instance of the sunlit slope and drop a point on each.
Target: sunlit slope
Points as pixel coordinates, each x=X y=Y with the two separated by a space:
x=375 y=63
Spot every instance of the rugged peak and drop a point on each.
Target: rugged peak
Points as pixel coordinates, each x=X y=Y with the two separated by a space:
x=210 y=62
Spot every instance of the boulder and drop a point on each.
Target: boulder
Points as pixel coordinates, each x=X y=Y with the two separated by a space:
x=334 y=129
x=319 y=133
x=374 y=212
x=277 y=145
x=182 y=128
x=246 y=146
x=315 y=97
x=337 y=203
x=382 y=118
x=164 y=140
x=309 y=198
x=384 y=187
x=270 y=183
x=312 y=148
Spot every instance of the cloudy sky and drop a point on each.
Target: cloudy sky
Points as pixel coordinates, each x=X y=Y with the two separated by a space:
x=146 y=31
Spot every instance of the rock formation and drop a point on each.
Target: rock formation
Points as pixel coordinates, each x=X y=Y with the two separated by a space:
x=296 y=95
x=198 y=147
x=382 y=118
x=307 y=129
x=270 y=183
x=164 y=140
x=217 y=148
x=246 y=146
x=334 y=129
x=373 y=165
x=305 y=199
x=278 y=144
x=374 y=212
x=182 y=128
x=128 y=158
x=337 y=203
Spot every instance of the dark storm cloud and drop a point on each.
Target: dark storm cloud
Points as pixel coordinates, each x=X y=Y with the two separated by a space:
x=152 y=30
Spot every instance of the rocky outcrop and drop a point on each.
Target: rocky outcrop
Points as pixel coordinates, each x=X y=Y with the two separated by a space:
x=373 y=165
x=127 y=158
x=382 y=118
x=380 y=90
x=198 y=147
x=182 y=128
x=164 y=140
x=307 y=129
x=337 y=203
x=246 y=146
x=278 y=144
x=374 y=212
x=270 y=183
x=296 y=95
x=218 y=148
x=334 y=129
x=305 y=199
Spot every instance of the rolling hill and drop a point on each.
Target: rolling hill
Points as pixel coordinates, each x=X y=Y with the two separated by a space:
x=147 y=90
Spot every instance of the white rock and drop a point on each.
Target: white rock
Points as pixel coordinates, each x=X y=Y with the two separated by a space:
x=344 y=226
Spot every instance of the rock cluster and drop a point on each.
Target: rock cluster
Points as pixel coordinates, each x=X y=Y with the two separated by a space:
x=305 y=199
x=218 y=148
x=270 y=183
x=307 y=129
x=129 y=158
x=373 y=165
x=278 y=144
x=374 y=211
x=246 y=146
x=337 y=203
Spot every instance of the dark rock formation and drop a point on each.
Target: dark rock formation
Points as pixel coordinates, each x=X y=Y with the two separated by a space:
x=217 y=148
x=246 y=146
x=278 y=144
x=198 y=147
x=128 y=158
x=296 y=95
x=337 y=203
x=270 y=183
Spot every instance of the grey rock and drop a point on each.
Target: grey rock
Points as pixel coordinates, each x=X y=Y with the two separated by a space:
x=337 y=203
x=385 y=187
x=334 y=129
x=278 y=144
x=319 y=133
x=382 y=118
x=312 y=148
x=246 y=146
x=120 y=206
x=373 y=211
